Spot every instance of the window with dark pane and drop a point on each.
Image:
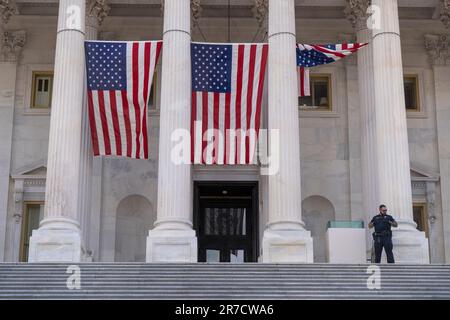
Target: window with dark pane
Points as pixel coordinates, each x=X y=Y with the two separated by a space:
x=42 y=89
x=411 y=85
x=419 y=216
x=320 y=98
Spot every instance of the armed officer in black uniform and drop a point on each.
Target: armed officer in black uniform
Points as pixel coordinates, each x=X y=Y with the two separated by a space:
x=383 y=234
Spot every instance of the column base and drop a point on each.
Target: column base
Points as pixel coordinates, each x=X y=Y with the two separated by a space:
x=410 y=246
x=287 y=246
x=56 y=245
x=171 y=245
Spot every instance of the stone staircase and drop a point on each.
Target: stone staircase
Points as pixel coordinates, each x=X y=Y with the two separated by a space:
x=222 y=281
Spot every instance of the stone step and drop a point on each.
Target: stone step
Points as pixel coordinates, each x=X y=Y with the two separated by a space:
x=222 y=281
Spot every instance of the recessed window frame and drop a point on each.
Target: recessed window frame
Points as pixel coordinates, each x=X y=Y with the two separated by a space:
x=313 y=78
x=423 y=88
x=35 y=75
x=23 y=252
x=423 y=216
x=415 y=77
x=27 y=101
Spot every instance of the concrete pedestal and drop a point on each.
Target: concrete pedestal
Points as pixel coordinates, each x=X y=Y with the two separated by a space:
x=346 y=245
x=171 y=246
x=287 y=246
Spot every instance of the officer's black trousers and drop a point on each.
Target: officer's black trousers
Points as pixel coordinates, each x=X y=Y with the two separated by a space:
x=386 y=243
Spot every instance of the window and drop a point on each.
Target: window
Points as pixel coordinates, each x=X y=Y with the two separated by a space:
x=411 y=84
x=34 y=213
x=42 y=85
x=320 y=98
x=152 y=97
x=420 y=217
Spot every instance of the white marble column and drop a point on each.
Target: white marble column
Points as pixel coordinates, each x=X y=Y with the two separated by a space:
x=438 y=48
x=96 y=11
x=356 y=12
x=59 y=237
x=173 y=239
x=11 y=45
x=285 y=238
x=385 y=151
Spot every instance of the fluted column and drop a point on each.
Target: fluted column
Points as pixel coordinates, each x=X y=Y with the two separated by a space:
x=356 y=13
x=11 y=45
x=438 y=48
x=285 y=239
x=173 y=239
x=59 y=237
x=386 y=169
x=96 y=11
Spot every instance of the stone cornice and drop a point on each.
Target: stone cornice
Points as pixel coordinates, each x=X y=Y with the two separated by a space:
x=12 y=45
x=356 y=12
x=438 y=48
x=96 y=11
x=444 y=12
x=7 y=9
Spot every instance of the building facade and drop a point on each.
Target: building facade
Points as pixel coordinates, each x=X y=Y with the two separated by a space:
x=375 y=130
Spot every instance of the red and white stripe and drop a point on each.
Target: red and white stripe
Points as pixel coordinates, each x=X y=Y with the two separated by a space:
x=118 y=118
x=341 y=51
x=225 y=126
x=303 y=81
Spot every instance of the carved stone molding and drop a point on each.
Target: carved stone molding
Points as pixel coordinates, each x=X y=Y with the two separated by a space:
x=96 y=11
x=438 y=48
x=12 y=45
x=260 y=10
x=7 y=9
x=356 y=12
x=196 y=11
x=444 y=12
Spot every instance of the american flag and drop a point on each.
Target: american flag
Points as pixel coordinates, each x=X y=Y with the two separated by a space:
x=312 y=55
x=119 y=78
x=227 y=90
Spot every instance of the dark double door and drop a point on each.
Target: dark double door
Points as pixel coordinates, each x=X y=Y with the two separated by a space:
x=226 y=222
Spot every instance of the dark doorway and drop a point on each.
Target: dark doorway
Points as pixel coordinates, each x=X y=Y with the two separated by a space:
x=226 y=220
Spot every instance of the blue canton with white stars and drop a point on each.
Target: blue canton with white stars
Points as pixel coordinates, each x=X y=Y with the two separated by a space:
x=211 y=67
x=312 y=58
x=106 y=65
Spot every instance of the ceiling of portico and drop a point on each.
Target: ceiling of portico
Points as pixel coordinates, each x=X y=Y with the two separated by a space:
x=312 y=9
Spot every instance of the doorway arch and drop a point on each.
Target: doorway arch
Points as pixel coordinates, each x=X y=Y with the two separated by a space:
x=316 y=212
x=134 y=218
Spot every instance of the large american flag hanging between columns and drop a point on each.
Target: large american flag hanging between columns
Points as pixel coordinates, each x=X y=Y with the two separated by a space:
x=119 y=78
x=312 y=55
x=227 y=91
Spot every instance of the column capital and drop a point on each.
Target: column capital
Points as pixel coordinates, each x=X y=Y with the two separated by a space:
x=260 y=9
x=196 y=11
x=444 y=12
x=438 y=49
x=96 y=11
x=356 y=12
x=11 y=45
x=8 y=8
